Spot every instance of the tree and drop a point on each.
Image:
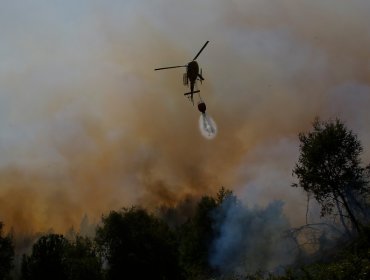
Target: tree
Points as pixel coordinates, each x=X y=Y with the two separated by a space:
x=198 y=233
x=82 y=260
x=137 y=245
x=47 y=260
x=6 y=254
x=196 y=236
x=55 y=257
x=329 y=167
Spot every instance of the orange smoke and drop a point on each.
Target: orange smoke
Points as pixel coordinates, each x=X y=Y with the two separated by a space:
x=88 y=126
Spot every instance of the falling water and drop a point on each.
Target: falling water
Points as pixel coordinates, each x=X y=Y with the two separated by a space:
x=207 y=126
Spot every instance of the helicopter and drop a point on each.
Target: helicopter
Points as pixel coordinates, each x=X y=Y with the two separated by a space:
x=192 y=74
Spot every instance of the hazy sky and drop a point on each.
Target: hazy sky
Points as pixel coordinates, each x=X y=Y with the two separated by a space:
x=87 y=126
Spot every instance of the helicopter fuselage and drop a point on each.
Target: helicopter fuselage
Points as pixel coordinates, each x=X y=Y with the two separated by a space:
x=192 y=71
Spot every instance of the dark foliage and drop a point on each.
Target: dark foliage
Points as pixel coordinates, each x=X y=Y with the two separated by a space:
x=198 y=233
x=195 y=237
x=47 y=260
x=82 y=260
x=54 y=257
x=138 y=245
x=6 y=254
x=329 y=167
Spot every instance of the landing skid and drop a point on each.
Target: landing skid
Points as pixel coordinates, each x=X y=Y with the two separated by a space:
x=192 y=92
x=191 y=95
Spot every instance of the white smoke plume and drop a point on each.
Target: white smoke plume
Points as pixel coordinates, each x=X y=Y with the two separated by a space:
x=251 y=239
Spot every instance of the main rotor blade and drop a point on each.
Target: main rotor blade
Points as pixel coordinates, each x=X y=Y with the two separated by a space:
x=200 y=50
x=170 y=67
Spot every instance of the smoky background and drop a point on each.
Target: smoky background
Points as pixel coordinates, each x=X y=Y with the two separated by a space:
x=86 y=125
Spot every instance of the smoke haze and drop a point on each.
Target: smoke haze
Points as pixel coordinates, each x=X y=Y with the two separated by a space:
x=86 y=125
x=251 y=239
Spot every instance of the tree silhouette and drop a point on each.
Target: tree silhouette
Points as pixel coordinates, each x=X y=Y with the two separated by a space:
x=329 y=167
x=137 y=245
x=196 y=236
x=55 y=257
x=47 y=260
x=82 y=260
x=6 y=254
x=198 y=233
